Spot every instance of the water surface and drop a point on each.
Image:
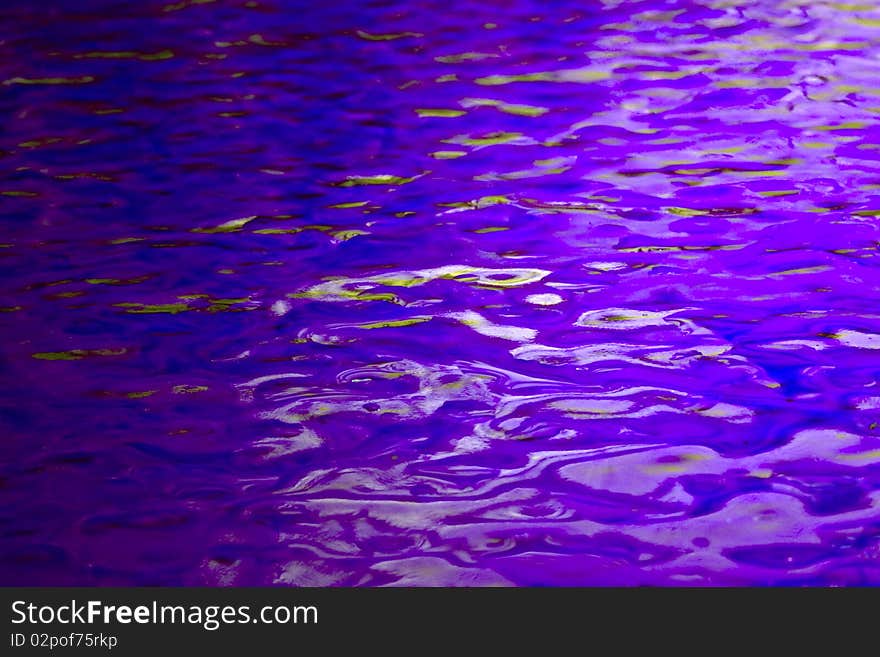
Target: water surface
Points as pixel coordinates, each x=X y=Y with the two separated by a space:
x=472 y=293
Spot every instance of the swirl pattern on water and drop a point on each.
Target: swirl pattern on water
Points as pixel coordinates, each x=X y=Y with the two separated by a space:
x=384 y=294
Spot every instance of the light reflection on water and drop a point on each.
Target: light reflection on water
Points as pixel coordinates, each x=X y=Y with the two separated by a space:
x=381 y=293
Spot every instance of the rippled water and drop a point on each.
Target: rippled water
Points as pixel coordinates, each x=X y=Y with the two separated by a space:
x=472 y=293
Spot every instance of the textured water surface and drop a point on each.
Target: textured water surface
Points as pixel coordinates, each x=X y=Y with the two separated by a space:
x=440 y=293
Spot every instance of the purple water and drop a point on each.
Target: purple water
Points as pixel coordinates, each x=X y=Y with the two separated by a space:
x=473 y=293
